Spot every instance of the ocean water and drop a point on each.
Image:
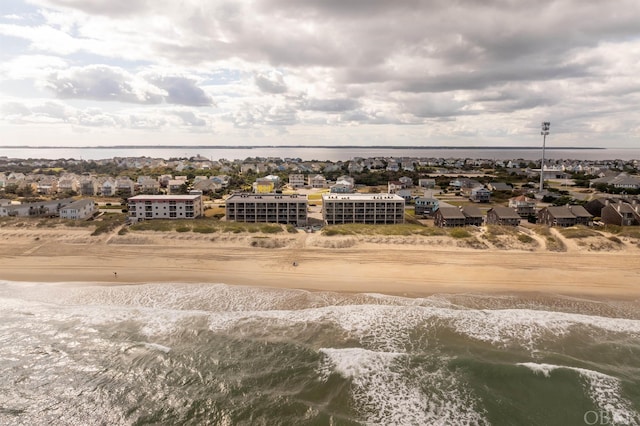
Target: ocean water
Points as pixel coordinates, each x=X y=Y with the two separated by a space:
x=213 y=354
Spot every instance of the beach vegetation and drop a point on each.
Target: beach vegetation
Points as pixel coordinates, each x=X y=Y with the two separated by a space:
x=615 y=239
x=199 y=229
x=578 y=232
x=525 y=239
x=108 y=223
x=206 y=226
x=399 y=229
x=459 y=233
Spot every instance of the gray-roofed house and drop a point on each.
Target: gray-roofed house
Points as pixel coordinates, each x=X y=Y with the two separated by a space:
x=621 y=213
x=81 y=209
x=449 y=217
x=473 y=216
x=564 y=216
x=480 y=194
x=504 y=216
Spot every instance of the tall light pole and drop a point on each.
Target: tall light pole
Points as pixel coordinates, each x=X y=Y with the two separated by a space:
x=544 y=133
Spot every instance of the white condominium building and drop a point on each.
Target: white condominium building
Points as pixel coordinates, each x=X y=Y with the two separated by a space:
x=270 y=208
x=362 y=208
x=142 y=207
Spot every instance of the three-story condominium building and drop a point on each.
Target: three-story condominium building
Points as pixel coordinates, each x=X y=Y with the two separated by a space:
x=362 y=208
x=143 y=207
x=268 y=208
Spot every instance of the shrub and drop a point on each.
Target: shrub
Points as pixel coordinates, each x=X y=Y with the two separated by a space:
x=524 y=238
x=459 y=233
x=615 y=240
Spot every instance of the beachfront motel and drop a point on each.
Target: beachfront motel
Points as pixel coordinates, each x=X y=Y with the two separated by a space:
x=267 y=208
x=362 y=208
x=145 y=207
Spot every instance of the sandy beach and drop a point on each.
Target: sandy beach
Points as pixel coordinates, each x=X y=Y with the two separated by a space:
x=409 y=266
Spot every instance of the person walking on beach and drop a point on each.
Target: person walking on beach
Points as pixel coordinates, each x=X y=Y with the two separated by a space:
x=115 y=274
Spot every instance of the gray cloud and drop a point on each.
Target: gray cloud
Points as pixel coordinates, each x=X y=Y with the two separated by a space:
x=182 y=91
x=330 y=105
x=330 y=62
x=107 y=83
x=271 y=82
x=103 y=83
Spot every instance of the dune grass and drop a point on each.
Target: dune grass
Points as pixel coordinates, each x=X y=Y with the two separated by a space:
x=399 y=229
x=204 y=226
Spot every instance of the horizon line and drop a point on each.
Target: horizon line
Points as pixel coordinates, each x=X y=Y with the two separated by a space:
x=471 y=147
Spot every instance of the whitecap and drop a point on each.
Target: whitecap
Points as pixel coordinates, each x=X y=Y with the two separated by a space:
x=605 y=391
x=383 y=393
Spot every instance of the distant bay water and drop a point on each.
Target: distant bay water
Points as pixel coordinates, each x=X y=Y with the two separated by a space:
x=318 y=153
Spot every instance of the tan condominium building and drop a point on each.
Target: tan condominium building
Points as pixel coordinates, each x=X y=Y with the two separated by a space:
x=143 y=207
x=270 y=208
x=362 y=208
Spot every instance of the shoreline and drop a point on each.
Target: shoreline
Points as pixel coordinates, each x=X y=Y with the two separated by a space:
x=400 y=266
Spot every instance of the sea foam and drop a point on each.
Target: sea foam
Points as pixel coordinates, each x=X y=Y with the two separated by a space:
x=605 y=391
x=384 y=393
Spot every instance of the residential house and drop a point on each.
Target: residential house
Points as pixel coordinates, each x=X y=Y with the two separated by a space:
x=108 y=188
x=621 y=213
x=88 y=186
x=505 y=216
x=523 y=205
x=48 y=185
x=207 y=186
x=68 y=185
x=266 y=185
x=499 y=186
x=177 y=186
x=81 y=209
x=296 y=180
x=564 y=216
x=472 y=216
x=147 y=185
x=427 y=183
x=480 y=194
x=125 y=187
x=426 y=206
x=400 y=189
x=406 y=182
x=355 y=167
x=448 y=217
x=39 y=208
x=318 y=181
x=343 y=185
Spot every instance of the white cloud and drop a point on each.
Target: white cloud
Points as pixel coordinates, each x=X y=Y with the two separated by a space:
x=490 y=69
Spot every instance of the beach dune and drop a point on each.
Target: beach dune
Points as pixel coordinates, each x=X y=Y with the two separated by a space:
x=410 y=266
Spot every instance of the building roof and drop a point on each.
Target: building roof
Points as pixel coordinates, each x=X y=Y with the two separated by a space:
x=362 y=197
x=579 y=211
x=561 y=212
x=183 y=197
x=266 y=197
x=471 y=211
x=451 y=213
x=78 y=204
x=505 y=212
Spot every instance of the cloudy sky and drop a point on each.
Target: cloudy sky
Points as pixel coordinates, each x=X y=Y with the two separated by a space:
x=319 y=72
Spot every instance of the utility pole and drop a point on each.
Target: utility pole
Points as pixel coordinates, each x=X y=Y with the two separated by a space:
x=544 y=133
